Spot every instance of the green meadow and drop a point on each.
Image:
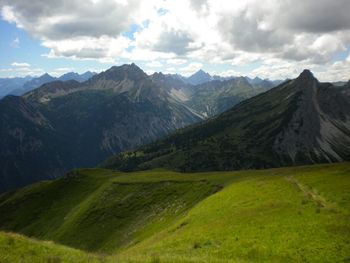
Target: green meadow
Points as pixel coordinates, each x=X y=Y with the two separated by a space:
x=295 y=214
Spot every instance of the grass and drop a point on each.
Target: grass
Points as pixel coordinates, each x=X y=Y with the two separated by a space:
x=17 y=248
x=100 y=210
x=296 y=214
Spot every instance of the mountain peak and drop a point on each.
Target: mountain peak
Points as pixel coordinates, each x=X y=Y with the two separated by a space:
x=306 y=75
x=46 y=75
x=201 y=72
x=118 y=73
x=199 y=77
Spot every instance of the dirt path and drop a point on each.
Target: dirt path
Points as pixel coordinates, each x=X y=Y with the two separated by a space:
x=318 y=199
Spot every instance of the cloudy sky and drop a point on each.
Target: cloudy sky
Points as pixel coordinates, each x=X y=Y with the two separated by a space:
x=273 y=39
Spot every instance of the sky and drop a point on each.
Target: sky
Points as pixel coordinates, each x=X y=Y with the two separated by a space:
x=273 y=39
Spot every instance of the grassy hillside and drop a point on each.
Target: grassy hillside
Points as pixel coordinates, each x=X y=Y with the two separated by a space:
x=16 y=248
x=100 y=210
x=281 y=215
x=299 y=214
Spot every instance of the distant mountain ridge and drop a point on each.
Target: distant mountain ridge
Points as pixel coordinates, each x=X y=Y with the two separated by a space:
x=20 y=86
x=65 y=125
x=301 y=121
x=217 y=96
x=10 y=84
x=68 y=124
x=214 y=95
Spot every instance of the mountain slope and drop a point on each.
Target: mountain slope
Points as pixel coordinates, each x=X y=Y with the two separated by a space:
x=100 y=210
x=33 y=84
x=77 y=77
x=214 y=97
x=27 y=138
x=9 y=84
x=119 y=109
x=275 y=215
x=280 y=215
x=15 y=248
x=301 y=121
x=177 y=87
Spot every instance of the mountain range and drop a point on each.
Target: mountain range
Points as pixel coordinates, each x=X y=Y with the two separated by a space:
x=69 y=124
x=19 y=86
x=208 y=95
x=301 y=121
x=63 y=125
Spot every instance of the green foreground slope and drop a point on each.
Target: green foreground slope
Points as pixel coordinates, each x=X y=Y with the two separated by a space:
x=101 y=210
x=299 y=214
x=16 y=248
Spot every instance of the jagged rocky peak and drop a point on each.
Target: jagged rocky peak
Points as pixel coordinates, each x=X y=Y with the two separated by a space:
x=129 y=71
x=306 y=82
x=306 y=75
x=158 y=75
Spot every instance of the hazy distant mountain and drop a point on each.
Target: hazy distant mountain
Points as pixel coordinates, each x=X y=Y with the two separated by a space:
x=301 y=121
x=263 y=83
x=216 y=77
x=9 y=84
x=212 y=97
x=199 y=77
x=77 y=77
x=63 y=125
x=217 y=96
x=175 y=85
x=255 y=80
x=33 y=83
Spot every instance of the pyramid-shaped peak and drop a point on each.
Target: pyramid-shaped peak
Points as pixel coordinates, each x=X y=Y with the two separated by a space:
x=45 y=75
x=201 y=72
x=306 y=74
x=127 y=68
x=118 y=73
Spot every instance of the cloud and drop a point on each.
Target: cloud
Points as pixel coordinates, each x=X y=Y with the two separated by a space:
x=20 y=65
x=21 y=71
x=191 y=68
x=154 y=64
x=316 y=16
x=104 y=49
x=308 y=30
x=60 y=19
x=178 y=42
x=15 y=43
x=176 y=61
x=308 y=33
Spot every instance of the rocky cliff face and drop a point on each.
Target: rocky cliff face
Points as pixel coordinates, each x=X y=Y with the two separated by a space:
x=320 y=125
